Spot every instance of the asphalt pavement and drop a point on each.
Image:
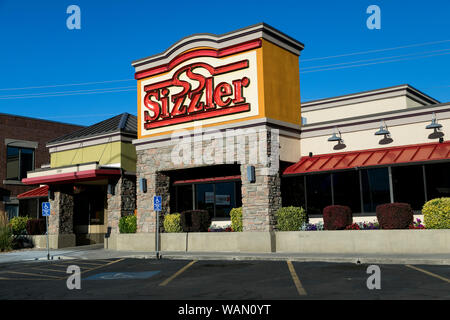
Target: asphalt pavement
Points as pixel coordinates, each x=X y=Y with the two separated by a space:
x=168 y=279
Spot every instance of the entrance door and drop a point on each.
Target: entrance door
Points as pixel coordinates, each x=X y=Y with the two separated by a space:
x=89 y=214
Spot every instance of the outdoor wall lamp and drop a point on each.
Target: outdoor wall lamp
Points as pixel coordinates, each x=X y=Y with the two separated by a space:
x=251 y=174
x=334 y=137
x=383 y=130
x=143 y=185
x=434 y=125
x=110 y=189
x=437 y=134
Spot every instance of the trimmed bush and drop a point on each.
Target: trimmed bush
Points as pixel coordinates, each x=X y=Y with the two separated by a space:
x=337 y=217
x=36 y=227
x=236 y=219
x=436 y=213
x=19 y=225
x=128 y=224
x=195 y=220
x=291 y=218
x=172 y=223
x=394 y=215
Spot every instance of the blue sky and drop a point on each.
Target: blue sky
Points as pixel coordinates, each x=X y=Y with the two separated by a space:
x=37 y=49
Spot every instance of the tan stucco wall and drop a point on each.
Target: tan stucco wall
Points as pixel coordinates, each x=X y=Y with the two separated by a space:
x=289 y=149
x=408 y=134
x=355 y=110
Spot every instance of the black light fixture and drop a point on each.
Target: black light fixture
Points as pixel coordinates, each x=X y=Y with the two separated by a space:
x=251 y=174
x=111 y=189
x=143 y=185
x=383 y=130
x=334 y=137
x=434 y=125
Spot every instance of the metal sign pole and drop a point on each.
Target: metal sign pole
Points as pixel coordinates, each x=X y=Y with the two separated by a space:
x=157 y=207
x=157 y=234
x=48 y=247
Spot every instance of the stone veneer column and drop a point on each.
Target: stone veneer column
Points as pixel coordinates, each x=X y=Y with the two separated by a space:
x=122 y=202
x=148 y=161
x=262 y=198
x=61 y=218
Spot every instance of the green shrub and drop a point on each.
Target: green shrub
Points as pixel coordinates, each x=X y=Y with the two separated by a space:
x=436 y=213
x=172 y=223
x=19 y=225
x=291 y=218
x=6 y=239
x=236 y=219
x=128 y=224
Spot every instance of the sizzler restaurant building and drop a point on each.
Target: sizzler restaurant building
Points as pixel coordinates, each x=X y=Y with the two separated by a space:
x=220 y=126
x=214 y=115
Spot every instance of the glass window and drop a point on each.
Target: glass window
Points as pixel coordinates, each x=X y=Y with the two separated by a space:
x=408 y=186
x=375 y=185
x=12 y=210
x=293 y=192
x=205 y=197
x=346 y=190
x=318 y=189
x=18 y=162
x=12 y=163
x=29 y=208
x=183 y=198
x=438 y=180
x=26 y=162
x=217 y=198
x=225 y=199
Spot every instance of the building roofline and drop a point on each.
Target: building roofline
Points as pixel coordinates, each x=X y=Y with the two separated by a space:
x=369 y=95
x=259 y=30
x=40 y=119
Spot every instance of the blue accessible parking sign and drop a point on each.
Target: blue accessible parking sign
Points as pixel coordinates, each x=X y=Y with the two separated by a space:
x=45 y=209
x=157 y=203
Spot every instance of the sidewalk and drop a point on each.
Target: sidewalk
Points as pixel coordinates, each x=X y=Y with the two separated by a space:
x=97 y=251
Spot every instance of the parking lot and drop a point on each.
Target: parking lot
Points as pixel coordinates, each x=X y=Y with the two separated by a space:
x=220 y=280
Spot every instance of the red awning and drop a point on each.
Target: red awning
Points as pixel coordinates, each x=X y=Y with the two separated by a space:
x=77 y=176
x=205 y=180
x=35 y=193
x=368 y=158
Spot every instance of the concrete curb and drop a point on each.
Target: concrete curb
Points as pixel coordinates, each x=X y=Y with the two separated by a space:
x=353 y=259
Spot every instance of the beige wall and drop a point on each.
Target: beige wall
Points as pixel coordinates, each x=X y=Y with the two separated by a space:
x=408 y=134
x=356 y=109
x=289 y=149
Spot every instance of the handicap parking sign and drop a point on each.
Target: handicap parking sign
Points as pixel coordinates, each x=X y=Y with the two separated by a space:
x=157 y=203
x=45 y=209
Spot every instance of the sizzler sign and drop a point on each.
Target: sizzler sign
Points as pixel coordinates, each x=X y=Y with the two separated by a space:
x=196 y=91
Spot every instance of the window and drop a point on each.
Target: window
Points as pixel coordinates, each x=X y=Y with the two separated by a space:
x=318 y=189
x=438 y=180
x=12 y=210
x=346 y=190
x=408 y=186
x=18 y=162
x=293 y=191
x=375 y=185
x=217 y=198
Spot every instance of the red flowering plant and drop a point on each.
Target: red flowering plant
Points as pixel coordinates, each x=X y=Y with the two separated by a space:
x=417 y=224
x=353 y=226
